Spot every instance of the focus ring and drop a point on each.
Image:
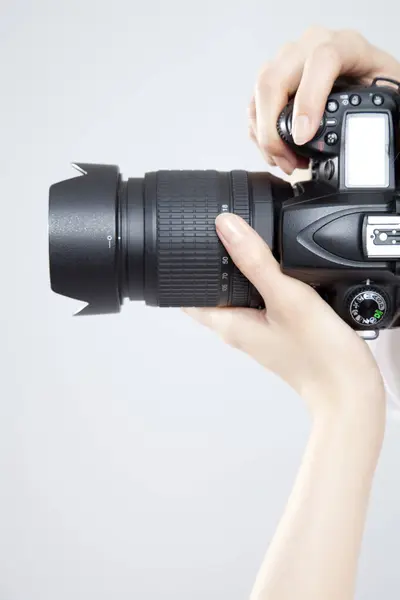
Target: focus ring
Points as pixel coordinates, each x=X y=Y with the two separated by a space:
x=188 y=249
x=241 y=207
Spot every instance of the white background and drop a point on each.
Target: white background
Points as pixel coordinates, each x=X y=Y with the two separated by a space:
x=139 y=457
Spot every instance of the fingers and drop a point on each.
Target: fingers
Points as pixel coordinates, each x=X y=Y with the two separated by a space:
x=346 y=53
x=253 y=258
x=238 y=327
x=307 y=70
x=253 y=131
x=277 y=82
x=252 y=116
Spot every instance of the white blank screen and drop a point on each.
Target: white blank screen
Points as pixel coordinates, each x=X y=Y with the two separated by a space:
x=367 y=150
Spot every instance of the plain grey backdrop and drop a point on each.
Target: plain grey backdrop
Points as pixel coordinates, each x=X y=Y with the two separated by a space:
x=139 y=456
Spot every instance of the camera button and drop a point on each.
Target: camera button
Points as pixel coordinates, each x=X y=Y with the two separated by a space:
x=332 y=106
x=331 y=122
x=329 y=169
x=377 y=100
x=331 y=138
x=355 y=100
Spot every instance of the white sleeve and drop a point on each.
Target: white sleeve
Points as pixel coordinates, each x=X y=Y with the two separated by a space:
x=386 y=350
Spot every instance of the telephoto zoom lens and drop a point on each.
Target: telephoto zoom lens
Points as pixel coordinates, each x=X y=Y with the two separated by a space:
x=153 y=239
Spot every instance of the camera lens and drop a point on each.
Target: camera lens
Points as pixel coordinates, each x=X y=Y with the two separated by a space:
x=153 y=239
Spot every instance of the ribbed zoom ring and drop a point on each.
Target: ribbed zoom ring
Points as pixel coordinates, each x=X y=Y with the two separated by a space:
x=241 y=207
x=188 y=250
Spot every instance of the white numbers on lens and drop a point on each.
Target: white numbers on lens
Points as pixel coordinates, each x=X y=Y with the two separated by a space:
x=109 y=239
x=224 y=275
x=224 y=208
x=225 y=260
x=224 y=288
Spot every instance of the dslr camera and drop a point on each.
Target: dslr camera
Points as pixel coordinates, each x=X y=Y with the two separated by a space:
x=153 y=239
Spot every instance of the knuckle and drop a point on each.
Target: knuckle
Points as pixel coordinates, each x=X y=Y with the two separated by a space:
x=317 y=32
x=265 y=70
x=269 y=81
x=273 y=147
x=351 y=34
x=287 y=50
x=327 y=52
x=350 y=38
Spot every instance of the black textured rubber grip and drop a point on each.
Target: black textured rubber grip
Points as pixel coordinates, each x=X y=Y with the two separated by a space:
x=241 y=207
x=188 y=254
x=192 y=269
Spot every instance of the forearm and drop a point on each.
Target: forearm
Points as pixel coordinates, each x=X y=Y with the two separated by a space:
x=315 y=550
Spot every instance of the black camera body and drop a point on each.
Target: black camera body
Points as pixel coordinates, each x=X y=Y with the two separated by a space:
x=341 y=230
x=154 y=238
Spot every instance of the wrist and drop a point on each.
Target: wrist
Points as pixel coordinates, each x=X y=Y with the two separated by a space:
x=358 y=422
x=350 y=400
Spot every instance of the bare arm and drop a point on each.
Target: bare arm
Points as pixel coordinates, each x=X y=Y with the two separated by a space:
x=315 y=550
x=314 y=553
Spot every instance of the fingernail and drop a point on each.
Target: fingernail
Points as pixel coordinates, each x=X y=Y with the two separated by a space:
x=285 y=164
x=301 y=129
x=231 y=227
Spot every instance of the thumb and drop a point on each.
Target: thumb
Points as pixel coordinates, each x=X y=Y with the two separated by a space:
x=252 y=257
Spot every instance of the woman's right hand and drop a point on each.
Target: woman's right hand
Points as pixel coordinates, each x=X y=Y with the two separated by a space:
x=298 y=337
x=308 y=69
